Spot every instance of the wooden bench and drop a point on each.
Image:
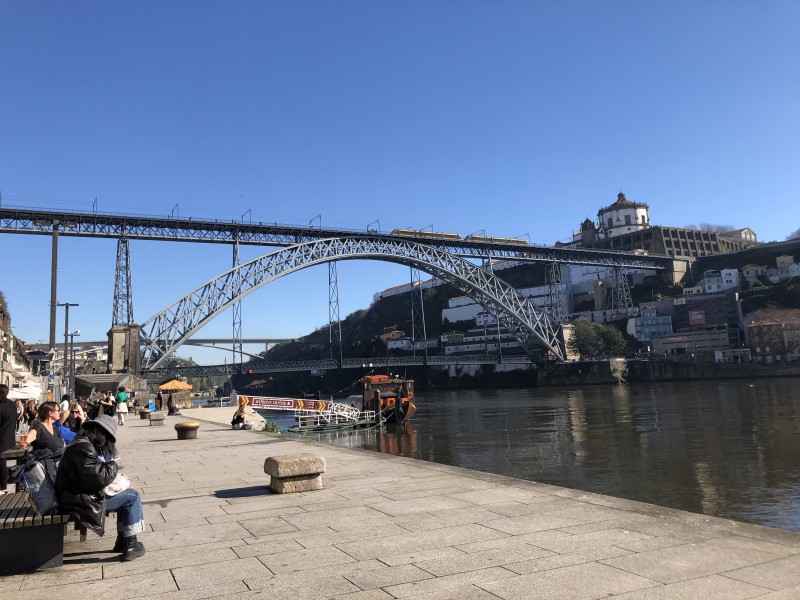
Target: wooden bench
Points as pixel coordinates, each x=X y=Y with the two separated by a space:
x=294 y=472
x=157 y=418
x=28 y=541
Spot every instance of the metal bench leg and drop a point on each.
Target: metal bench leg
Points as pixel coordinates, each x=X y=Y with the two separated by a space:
x=82 y=530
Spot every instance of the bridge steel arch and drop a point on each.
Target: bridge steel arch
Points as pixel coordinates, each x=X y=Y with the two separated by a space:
x=163 y=333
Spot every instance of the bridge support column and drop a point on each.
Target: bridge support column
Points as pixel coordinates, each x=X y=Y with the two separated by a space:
x=116 y=349
x=123 y=293
x=124 y=354
x=621 y=301
x=334 y=322
x=418 y=330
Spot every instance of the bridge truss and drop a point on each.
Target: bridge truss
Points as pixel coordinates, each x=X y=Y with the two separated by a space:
x=143 y=227
x=376 y=362
x=163 y=333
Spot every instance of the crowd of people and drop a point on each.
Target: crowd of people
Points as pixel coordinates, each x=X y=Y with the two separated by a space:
x=82 y=436
x=84 y=445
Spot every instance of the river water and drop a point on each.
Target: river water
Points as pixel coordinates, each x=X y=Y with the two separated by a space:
x=724 y=448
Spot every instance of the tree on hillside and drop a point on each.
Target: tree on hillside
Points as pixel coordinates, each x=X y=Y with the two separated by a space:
x=593 y=340
x=794 y=236
x=712 y=227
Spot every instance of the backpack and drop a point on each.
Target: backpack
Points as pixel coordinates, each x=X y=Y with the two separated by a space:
x=38 y=476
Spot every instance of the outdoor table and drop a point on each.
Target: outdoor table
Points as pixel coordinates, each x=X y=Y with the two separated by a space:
x=18 y=455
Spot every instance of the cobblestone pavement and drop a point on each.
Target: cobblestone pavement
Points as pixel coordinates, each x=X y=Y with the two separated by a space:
x=385 y=527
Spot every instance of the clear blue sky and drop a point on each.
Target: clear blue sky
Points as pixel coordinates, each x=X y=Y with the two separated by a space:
x=513 y=117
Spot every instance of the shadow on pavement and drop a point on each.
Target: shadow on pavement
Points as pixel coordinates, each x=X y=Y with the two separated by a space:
x=258 y=490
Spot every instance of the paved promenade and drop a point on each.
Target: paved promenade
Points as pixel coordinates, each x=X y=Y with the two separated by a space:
x=387 y=527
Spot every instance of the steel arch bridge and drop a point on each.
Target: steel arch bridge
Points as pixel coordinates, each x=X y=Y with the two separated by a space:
x=163 y=333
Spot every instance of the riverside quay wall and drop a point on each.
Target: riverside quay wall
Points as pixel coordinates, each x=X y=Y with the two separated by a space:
x=631 y=370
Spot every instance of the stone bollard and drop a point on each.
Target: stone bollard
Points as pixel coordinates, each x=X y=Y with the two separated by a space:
x=144 y=413
x=157 y=418
x=187 y=430
x=294 y=472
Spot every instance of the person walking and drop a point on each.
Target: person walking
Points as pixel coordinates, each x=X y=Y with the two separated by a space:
x=159 y=401
x=30 y=412
x=122 y=405
x=20 y=413
x=107 y=404
x=8 y=418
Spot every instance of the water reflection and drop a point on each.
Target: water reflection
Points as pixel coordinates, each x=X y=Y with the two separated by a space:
x=722 y=448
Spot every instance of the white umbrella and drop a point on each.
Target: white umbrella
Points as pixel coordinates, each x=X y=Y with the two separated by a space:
x=26 y=393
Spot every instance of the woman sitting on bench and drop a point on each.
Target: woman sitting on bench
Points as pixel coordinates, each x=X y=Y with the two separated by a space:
x=239 y=420
x=45 y=432
x=86 y=468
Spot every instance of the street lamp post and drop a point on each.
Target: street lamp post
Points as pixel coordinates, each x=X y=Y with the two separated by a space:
x=64 y=371
x=72 y=335
x=3 y=357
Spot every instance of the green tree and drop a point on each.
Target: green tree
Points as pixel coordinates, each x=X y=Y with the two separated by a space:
x=585 y=340
x=613 y=340
x=593 y=340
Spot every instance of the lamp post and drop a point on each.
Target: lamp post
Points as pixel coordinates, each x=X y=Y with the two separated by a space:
x=3 y=357
x=64 y=372
x=72 y=334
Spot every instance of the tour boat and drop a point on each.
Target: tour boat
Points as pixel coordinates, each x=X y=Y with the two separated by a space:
x=392 y=396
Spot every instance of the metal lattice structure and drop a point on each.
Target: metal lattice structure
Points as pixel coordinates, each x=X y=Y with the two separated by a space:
x=418 y=330
x=347 y=363
x=237 y=308
x=556 y=306
x=163 y=333
x=143 y=227
x=334 y=322
x=621 y=301
x=123 y=291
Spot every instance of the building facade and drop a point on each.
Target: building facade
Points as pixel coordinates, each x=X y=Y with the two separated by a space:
x=648 y=324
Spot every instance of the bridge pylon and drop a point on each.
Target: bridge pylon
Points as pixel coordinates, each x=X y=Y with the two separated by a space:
x=123 y=291
x=621 y=301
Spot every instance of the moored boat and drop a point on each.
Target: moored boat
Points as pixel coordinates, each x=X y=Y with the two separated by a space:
x=392 y=396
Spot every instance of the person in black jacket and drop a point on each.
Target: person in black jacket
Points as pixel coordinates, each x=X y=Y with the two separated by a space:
x=86 y=468
x=8 y=424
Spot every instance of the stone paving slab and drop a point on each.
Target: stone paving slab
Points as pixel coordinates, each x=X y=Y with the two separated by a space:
x=388 y=527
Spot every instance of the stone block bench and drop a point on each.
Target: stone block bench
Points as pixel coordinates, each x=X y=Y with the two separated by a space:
x=187 y=430
x=294 y=472
x=157 y=418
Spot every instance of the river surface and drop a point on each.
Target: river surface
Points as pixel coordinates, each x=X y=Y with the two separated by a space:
x=729 y=449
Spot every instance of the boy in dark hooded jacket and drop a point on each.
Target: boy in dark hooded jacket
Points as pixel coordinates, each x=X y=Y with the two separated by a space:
x=86 y=468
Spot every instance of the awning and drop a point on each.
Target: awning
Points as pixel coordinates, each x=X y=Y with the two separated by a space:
x=174 y=386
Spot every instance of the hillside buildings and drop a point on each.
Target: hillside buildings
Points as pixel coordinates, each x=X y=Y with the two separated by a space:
x=625 y=225
x=703 y=323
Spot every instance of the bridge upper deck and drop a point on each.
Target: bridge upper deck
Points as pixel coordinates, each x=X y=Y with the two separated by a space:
x=109 y=225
